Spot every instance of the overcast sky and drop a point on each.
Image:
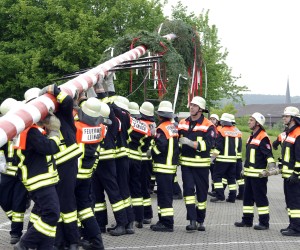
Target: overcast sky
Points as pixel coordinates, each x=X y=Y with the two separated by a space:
x=262 y=38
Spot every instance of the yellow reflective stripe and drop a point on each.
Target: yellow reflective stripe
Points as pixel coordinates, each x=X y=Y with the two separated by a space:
x=170 y=151
x=44 y=228
x=56 y=139
x=137 y=202
x=66 y=150
x=127 y=202
x=166 y=212
x=287 y=154
x=134 y=154
x=156 y=151
x=295 y=213
x=158 y=210
x=9 y=213
x=17 y=217
x=85 y=213
x=202 y=205
x=162 y=168
x=232 y=187
x=263 y=210
x=241 y=182
x=190 y=200
x=270 y=159
x=226 y=146
x=196 y=159
x=218 y=185
x=69 y=217
x=289 y=211
x=253 y=170
x=252 y=155
x=297 y=164
x=147 y=202
x=33 y=217
x=117 y=206
x=44 y=180
x=68 y=155
x=61 y=96
x=100 y=207
x=224 y=181
x=248 y=209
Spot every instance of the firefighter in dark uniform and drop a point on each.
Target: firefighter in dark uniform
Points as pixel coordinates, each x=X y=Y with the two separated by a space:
x=291 y=169
x=13 y=194
x=214 y=118
x=120 y=108
x=67 y=166
x=147 y=116
x=137 y=132
x=105 y=176
x=88 y=136
x=258 y=163
x=39 y=175
x=196 y=136
x=226 y=148
x=165 y=160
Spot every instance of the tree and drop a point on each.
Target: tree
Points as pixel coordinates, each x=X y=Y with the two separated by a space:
x=45 y=39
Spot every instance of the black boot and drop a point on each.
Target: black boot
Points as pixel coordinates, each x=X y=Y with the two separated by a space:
x=192 y=226
x=201 y=227
x=20 y=246
x=14 y=239
x=242 y=224
x=129 y=228
x=73 y=247
x=96 y=243
x=139 y=224
x=240 y=196
x=146 y=221
x=117 y=231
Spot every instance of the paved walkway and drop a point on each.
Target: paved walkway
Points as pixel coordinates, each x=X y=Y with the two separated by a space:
x=220 y=232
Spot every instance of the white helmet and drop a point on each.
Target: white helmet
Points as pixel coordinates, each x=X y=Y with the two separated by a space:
x=122 y=102
x=165 y=109
x=134 y=108
x=7 y=105
x=215 y=116
x=31 y=94
x=147 y=109
x=232 y=118
x=291 y=111
x=197 y=100
x=226 y=117
x=260 y=119
x=92 y=107
x=104 y=112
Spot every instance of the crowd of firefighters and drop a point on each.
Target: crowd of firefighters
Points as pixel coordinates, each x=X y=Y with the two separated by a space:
x=101 y=145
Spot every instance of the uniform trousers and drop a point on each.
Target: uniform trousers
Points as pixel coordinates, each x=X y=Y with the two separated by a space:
x=256 y=192
x=292 y=198
x=105 y=179
x=136 y=189
x=47 y=203
x=13 y=197
x=195 y=179
x=146 y=172
x=165 y=198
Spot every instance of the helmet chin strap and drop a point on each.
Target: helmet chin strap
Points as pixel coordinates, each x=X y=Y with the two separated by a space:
x=289 y=123
x=199 y=111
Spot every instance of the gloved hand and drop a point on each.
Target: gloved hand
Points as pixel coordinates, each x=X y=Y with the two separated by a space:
x=271 y=166
x=153 y=131
x=149 y=154
x=3 y=166
x=212 y=159
x=188 y=142
x=52 y=133
x=98 y=87
x=109 y=82
x=52 y=124
x=263 y=173
x=273 y=169
x=50 y=89
x=293 y=179
x=242 y=174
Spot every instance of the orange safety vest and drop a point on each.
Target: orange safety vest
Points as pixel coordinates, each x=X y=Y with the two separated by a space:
x=169 y=129
x=20 y=143
x=88 y=134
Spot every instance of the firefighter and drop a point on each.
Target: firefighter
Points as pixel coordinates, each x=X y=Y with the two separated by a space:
x=120 y=108
x=105 y=176
x=225 y=152
x=88 y=136
x=147 y=116
x=67 y=166
x=291 y=169
x=39 y=175
x=138 y=132
x=197 y=135
x=165 y=160
x=13 y=194
x=214 y=118
x=259 y=159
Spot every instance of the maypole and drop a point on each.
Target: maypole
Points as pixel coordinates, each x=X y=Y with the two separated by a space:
x=15 y=122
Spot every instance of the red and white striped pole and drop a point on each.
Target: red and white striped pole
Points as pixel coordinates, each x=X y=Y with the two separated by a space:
x=14 y=123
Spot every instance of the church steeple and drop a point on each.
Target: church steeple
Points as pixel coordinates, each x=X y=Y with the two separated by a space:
x=287 y=94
